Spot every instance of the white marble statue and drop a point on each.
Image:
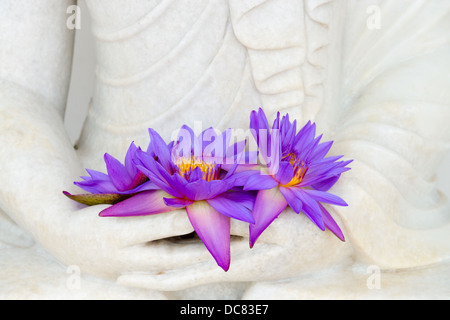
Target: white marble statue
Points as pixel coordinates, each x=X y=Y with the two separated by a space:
x=373 y=75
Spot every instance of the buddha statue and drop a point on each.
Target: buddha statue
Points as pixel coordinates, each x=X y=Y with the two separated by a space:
x=372 y=75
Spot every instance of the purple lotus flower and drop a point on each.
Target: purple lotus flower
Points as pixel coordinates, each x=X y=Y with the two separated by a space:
x=296 y=173
x=191 y=174
x=121 y=181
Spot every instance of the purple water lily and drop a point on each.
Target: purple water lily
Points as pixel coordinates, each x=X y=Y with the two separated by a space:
x=191 y=174
x=214 y=180
x=121 y=181
x=296 y=173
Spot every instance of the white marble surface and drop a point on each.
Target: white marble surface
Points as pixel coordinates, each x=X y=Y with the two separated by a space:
x=372 y=74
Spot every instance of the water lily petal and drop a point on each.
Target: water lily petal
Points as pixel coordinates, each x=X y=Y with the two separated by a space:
x=320 y=151
x=98 y=182
x=97 y=175
x=160 y=149
x=129 y=160
x=260 y=182
x=144 y=203
x=268 y=205
x=292 y=199
x=285 y=173
x=258 y=121
x=91 y=199
x=231 y=208
x=97 y=186
x=330 y=224
x=195 y=175
x=197 y=190
x=156 y=173
x=241 y=177
x=304 y=137
x=245 y=198
x=141 y=182
x=177 y=202
x=213 y=228
x=117 y=173
x=326 y=184
x=311 y=208
x=326 y=197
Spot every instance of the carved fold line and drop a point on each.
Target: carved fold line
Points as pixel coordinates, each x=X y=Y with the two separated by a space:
x=309 y=13
x=262 y=3
x=387 y=149
x=358 y=112
x=134 y=28
x=387 y=66
x=312 y=8
x=412 y=211
x=288 y=108
x=197 y=86
x=233 y=106
x=313 y=53
x=382 y=149
x=401 y=193
x=186 y=40
x=274 y=48
x=277 y=73
x=132 y=127
x=435 y=211
x=351 y=124
x=409 y=13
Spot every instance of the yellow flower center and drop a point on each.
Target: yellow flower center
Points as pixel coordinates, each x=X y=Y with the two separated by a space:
x=300 y=169
x=210 y=170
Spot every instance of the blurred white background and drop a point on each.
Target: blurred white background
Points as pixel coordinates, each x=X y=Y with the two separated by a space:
x=82 y=85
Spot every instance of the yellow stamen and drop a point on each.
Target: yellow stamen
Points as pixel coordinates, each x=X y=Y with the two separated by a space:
x=210 y=171
x=300 y=169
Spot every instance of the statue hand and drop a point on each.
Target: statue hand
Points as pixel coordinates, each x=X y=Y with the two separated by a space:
x=292 y=244
x=109 y=247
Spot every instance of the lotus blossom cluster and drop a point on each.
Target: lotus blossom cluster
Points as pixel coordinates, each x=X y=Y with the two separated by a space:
x=215 y=181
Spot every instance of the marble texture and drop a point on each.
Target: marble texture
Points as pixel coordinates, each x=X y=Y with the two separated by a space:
x=372 y=74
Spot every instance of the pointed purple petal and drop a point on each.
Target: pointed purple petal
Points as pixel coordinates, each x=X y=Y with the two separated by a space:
x=177 y=202
x=141 y=179
x=260 y=182
x=268 y=205
x=143 y=187
x=197 y=190
x=326 y=197
x=144 y=203
x=129 y=160
x=292 y=199
x=97 y=175
x=117 y=173
x=195 y=175
x=241 y=177
x=304 y=137
x=325 y=185
x=97 y=186
x=160 y=149
x=157 y=174
x=213 y=228
x=320 y=151
x=231 y=208
x=311 y=208
x=330 y=224
x=285 y=173
x=98 y=182
x=245 y=198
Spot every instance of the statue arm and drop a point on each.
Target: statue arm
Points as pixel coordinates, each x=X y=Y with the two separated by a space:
x=38 y=161
x=36 y=157
x=392 y=120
